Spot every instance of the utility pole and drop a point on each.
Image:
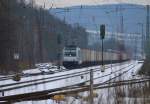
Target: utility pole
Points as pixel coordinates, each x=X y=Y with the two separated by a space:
x=147 y=32
x=135 y=47
x=59 y=55
x=102 y=34
x=91 y=86
x=40 y=37
x=142 y=42
x=147 y=23
x=122 y=23
x=102 y=53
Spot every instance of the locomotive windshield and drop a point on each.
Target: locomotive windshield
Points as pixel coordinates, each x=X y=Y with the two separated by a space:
x=70 y=51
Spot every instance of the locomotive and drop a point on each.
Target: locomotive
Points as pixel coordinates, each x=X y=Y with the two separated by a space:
x=74 y=56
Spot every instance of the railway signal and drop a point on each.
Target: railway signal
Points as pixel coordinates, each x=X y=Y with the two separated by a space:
x=102 y=31
x=102 y=34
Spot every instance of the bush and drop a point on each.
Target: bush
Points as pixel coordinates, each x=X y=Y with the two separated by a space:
x=145 y=70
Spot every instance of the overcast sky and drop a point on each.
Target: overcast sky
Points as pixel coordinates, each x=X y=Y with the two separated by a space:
x=68 y=3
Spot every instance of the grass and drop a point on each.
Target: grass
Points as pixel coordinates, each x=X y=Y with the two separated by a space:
x=128 y=94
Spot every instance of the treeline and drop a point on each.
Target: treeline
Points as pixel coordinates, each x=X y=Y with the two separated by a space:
x=145 y=70
x=30 y=34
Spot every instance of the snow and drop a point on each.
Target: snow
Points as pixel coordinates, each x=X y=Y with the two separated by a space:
x=68 y=78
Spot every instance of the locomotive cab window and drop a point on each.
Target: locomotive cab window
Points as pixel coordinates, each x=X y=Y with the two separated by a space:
x=70 y=53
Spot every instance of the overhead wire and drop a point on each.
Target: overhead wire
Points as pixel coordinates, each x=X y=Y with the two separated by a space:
x=97 y=7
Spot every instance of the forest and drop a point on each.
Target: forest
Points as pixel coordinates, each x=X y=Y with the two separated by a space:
x=30 y=34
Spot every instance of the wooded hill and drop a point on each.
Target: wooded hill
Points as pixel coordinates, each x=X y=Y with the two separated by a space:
x=30 y=34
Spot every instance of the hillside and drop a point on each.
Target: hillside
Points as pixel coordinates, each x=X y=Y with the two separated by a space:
x=92 y=16
x=30 y=34
x=119 y=18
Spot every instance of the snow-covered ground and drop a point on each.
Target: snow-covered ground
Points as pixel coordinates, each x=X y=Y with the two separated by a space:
x=68 y=78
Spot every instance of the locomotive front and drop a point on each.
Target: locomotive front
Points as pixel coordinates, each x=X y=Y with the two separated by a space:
x=71 y=56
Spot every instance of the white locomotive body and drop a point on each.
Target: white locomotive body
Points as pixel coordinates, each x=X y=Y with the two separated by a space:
x=75 y=56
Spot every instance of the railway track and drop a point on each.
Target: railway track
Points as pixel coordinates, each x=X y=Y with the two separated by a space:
x=68 y=91
x=45 y=73
x=13 y=86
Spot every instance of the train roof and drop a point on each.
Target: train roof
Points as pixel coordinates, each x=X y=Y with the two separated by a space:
x=70 y=47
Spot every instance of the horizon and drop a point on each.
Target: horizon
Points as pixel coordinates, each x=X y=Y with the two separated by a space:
x=70 y=3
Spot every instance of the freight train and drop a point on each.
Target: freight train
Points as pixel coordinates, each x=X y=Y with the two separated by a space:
x=74 y=56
